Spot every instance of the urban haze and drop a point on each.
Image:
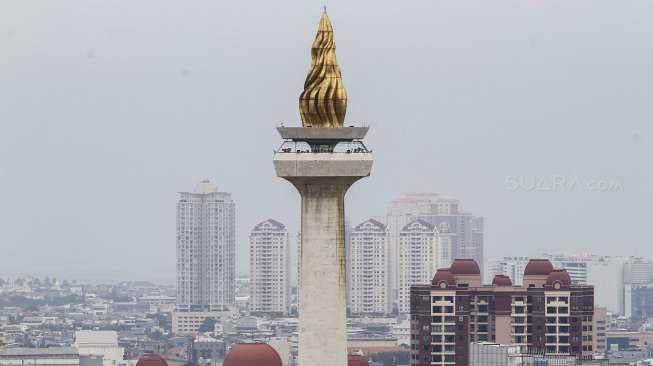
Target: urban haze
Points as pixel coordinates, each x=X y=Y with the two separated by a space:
x=535 y=114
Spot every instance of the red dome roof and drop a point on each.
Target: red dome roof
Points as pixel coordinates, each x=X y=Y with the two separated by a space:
x=443 y=275
x=357 y=360
x=151 y=359
x=501 y=280
x=252 y=354
x=560 y=276
x=465 y=267
x=538 y=267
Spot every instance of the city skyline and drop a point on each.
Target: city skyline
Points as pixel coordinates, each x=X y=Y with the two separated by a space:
x=106 y=114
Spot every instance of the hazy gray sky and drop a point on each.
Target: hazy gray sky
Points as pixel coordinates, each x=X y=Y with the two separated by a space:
x=109 y=108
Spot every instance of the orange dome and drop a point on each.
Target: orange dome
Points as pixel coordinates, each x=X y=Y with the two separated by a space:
x=357 y=360
x=465 y=267
x=501 y=280
x=538 y=267
x=252 y=354
x=559 y=276
x=151 y=359
x=443 y=275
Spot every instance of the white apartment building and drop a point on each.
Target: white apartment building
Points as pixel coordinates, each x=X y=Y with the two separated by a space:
x=206 y=249
x=368 y=256
x=461 y=233
x=269 y=265
x=418 y=258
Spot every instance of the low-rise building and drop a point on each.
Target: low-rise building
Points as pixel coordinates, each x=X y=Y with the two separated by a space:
x=53 y=356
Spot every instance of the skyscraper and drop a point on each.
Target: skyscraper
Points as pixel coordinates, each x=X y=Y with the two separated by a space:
x=418 y=258
x=206 y=252
x=368 y=257
x=269 y=268
x=460 y=232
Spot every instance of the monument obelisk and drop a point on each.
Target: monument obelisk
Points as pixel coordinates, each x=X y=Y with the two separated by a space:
x=322 y=159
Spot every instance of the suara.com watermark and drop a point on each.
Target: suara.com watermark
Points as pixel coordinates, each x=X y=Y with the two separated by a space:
x=561 y=183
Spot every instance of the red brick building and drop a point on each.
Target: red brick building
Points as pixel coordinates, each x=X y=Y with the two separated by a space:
x=546 y=314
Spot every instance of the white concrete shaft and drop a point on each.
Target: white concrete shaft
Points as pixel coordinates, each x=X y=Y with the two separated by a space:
x=322 y=293
x=322 y=180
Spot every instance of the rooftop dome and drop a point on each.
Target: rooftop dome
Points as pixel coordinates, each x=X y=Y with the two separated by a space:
x=538 y=267
x=501 y=280
x=465 y=267
x=443 y=275
x=151 y=359
x=357 y=360
x=558 y=276
x=252 y=354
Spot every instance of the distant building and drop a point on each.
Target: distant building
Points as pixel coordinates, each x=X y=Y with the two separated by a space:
x=494 y=354
x=418 y=258
x=269 y=263
x=206 y=247
x=607 y=275
x=368 y=256
x=512 y=267
x=639 y=271
x=461 y=233
x=600 y=329
x=576 y=266
x=641 y=302
x=186 y=323
x=100 y=342
x=4 y=321
x=53 y=356
x=546 y=315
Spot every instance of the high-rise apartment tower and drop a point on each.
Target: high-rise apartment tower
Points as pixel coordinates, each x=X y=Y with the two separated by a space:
x=206 y=249
x=269 y=268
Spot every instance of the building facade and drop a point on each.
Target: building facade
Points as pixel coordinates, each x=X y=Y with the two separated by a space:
x=206 y=249
x=546 y=315
x=461 y=233
x=269 y=268
x=368 y=257
x=100 y=342
x=418 y=258
x=53 y=356
x=206 y=256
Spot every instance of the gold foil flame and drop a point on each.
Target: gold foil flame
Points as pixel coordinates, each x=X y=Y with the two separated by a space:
x=323 y=103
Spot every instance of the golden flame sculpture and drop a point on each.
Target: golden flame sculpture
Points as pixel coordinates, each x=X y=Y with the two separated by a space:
x=323 y=103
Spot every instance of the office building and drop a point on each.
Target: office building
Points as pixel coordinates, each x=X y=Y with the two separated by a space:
x=368 y=257
x=546 y=315
x=269 y=268
x=206 y=248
